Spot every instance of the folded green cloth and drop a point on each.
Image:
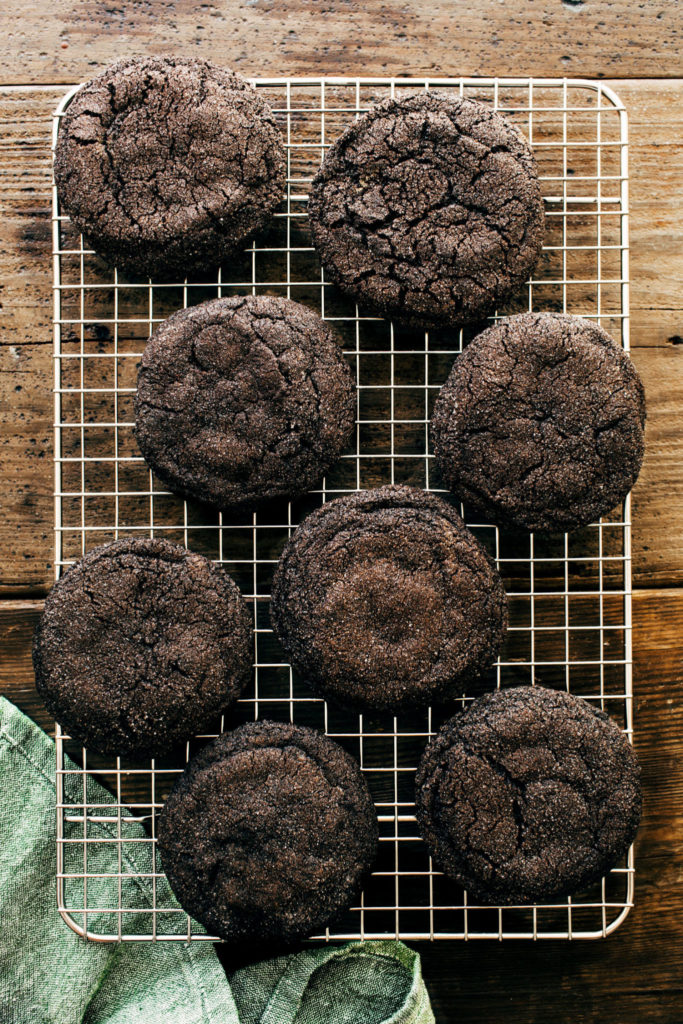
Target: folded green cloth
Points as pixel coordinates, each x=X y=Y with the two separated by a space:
x=48 y=975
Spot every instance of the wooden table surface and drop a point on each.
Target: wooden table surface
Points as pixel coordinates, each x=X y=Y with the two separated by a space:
x=637 y=973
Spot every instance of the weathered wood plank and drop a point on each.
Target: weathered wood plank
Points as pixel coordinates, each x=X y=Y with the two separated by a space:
x=634 y=975
x=637 y=971
x=657 y=506
x=655 y=117
x=57 y=41
x=25 y=348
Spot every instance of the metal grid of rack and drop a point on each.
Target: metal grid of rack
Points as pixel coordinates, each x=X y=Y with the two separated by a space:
x=570 y=599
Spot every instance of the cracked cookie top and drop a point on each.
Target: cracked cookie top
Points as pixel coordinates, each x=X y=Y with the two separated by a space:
x=242 y=400
x=527 y=795
x=384 y=599
x=540 y=423
x=268 y=834
x=140 y=645
x=428 y=210
x=167 y=165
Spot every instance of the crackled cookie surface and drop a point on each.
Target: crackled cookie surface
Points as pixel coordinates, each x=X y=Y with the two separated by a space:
x=540 y=423
x=528 y=795
x=428 y=210
x=242 y=400
x=268 y=834
x=140 y=645
x=384 y=599
x=167 y=165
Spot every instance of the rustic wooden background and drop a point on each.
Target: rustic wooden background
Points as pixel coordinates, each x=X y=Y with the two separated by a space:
x=636 y=974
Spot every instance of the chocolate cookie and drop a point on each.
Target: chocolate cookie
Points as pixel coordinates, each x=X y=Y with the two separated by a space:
x=268 y=834
x=384 y=599
x=168 y=164
x=242 y=400
x=428 y=209
x=540 y=423
x=527 y=795
x=140 y=645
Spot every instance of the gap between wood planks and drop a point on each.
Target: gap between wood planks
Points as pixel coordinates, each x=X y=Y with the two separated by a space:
x=637 y=971
x=577 y=38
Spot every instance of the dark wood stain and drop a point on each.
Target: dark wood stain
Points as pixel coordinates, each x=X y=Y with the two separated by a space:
x=636 y=975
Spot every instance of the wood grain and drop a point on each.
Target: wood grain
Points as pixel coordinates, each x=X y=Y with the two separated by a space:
x=26 y=344
x=581 y=38
x=633 y=976
x=637 y=974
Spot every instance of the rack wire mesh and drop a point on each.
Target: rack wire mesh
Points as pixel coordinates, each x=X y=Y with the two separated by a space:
x=570 y=597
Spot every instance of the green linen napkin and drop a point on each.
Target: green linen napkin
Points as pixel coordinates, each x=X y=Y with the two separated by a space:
x=48 y=975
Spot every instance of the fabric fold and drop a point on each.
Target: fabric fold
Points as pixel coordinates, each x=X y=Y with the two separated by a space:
x=49 y=975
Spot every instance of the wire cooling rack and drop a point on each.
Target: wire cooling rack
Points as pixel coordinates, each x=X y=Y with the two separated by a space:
x=570 y=597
